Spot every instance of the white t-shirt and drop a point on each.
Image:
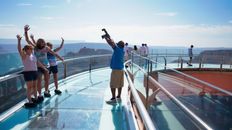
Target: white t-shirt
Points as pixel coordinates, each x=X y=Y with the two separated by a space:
x=147 y=50
x=190 y=52
x=126 y=49
x=142 y=50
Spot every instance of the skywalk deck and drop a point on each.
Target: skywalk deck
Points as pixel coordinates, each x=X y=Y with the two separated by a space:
x=80 y=106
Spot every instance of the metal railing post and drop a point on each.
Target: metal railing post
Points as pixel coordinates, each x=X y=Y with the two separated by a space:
x=221 y=65
x=200 y=63
x=147 y=78
x=165 y=63
x=65 y=70
x=90 y=66
x=156 y=62
x=181 y=63
x=132 y=59
x=150 y=66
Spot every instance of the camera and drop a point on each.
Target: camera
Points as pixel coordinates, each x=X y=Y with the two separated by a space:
x=106 y=35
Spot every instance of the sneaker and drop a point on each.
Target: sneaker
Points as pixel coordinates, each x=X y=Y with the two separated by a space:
x=35 y=100
x=40 y=99
x=46 y=94
x=111 y=101
x=30 y=105
x=57 y=91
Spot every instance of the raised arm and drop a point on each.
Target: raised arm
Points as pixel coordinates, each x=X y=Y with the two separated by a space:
x=108 y=39
x=110 y=42
x=26 y=29
x=33 y=39
x=55 y=54
x=61 y=45
x=19 y=46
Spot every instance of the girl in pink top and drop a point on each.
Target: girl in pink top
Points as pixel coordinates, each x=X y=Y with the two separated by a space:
x=30 y=70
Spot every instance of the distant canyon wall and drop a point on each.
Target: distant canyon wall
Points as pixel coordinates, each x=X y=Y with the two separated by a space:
x=215 y=57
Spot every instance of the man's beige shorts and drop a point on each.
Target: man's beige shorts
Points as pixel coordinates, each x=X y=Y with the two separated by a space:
x=117 y=79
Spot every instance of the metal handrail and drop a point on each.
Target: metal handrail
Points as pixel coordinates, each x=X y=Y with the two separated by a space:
x=142 y=110
x=13 y=75
x=191 y=77
x=182 y=106
x=84 y=57
x=198 y=80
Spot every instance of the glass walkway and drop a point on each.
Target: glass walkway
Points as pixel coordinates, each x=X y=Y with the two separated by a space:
x=81 y=106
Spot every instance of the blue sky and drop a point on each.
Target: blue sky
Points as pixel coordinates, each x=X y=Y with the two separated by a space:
x=204 y=23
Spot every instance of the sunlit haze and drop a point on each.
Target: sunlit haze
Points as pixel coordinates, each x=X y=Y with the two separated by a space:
x=204 y=23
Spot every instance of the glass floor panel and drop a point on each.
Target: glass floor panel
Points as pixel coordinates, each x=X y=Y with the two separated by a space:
x=80 y=106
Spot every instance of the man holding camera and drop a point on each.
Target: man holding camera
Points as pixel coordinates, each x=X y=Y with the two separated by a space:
x=117 y=74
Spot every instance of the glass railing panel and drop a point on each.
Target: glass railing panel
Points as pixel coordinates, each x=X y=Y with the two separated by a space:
x=86 y=63
x=162 y=118
x=10 y=63
x=139 y=83
x=13 y=84
x=167 y=115
x=99 y=62
x=12 y=91
x=198 y=61
x=206 y=102
x=77 y=66
x=227 y=66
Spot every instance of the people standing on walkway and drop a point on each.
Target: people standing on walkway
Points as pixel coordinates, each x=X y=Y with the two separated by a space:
x=142 y=50
x=117 y=74
x=190 y=53
x=146 y=50
x=135 y=49
x=53 y=64
x=146 y=54
x=126 y=51
x=29 y=72
x=41 y=51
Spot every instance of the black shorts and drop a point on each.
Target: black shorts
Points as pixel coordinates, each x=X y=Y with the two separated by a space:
x=30 y=75
x=53 y=69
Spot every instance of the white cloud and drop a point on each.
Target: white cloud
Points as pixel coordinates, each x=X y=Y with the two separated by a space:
x=6 y=25
x=172 y=35
x=170 y=14
x=49 y=18
x=48 y=6
x=230 y=21
x=175 y=35
x=24 y=4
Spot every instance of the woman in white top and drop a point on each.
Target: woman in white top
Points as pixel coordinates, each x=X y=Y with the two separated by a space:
x=30 y=70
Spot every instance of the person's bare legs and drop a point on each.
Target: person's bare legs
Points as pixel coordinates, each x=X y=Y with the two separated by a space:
x=46 y=80
x=119 y=92
x=55 y=77
x=29 y=86
x=34 y=89
x=113 y=93
x=39 y=87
